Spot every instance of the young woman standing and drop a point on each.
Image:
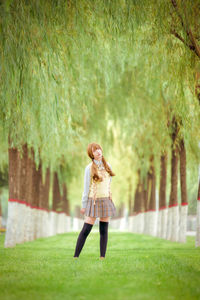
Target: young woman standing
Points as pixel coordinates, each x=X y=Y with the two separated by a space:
x=96 y=199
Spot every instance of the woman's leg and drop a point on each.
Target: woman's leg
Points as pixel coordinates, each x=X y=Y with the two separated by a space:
x=103 y=229
x=87 y=227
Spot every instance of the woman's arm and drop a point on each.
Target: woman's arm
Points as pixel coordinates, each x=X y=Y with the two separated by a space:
x=86 y=187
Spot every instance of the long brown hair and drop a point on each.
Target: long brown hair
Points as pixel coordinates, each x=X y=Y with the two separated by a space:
x=92 y=147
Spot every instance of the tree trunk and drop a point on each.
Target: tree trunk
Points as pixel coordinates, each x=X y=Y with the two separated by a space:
x=138 y=217
x=140 y=213
x=12 y=219
x=173 y=213
x=136 y=200
x=44 y=204
x=0 y=211
x=65 y=200
x=197 y=92
x=45 y=191
x=66 y=217
x=56 y=193
x=184 y=199
x=146 y=185
x=198 y=215
x=38 y=204
x=130 y=197
x=131 y=213
x=162 y=214
x=56 y=207
x=152 y=200
x=29 y=236
x=22 y=186
x=152 y=215
x=135 y=209
x=134 y=220
x=36 y=179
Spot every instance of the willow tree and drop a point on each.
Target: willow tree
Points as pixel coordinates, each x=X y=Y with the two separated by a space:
x=151 y=78
x=69 y=68
x=49 y=96
x=181 y=25
x=38 y=107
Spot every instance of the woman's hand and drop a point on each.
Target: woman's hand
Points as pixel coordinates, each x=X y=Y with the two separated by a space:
x=82 y=211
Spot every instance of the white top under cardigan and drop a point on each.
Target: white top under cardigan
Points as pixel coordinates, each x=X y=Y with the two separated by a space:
x=87 y=180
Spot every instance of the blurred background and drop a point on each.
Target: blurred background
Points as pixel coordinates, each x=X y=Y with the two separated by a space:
x=123 y=74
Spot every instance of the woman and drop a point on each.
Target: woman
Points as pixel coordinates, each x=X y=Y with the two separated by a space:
x=97 y=198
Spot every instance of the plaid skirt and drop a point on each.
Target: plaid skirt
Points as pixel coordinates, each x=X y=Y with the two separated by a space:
x=104 y=207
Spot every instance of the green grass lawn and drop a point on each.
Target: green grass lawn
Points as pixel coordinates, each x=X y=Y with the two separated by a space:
x=136 y=267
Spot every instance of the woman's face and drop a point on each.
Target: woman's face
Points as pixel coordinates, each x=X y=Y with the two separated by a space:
x=97 y=154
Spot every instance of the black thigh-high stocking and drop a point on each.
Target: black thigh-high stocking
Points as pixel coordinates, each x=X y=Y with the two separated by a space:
x=103 y=229
x=82 y=237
